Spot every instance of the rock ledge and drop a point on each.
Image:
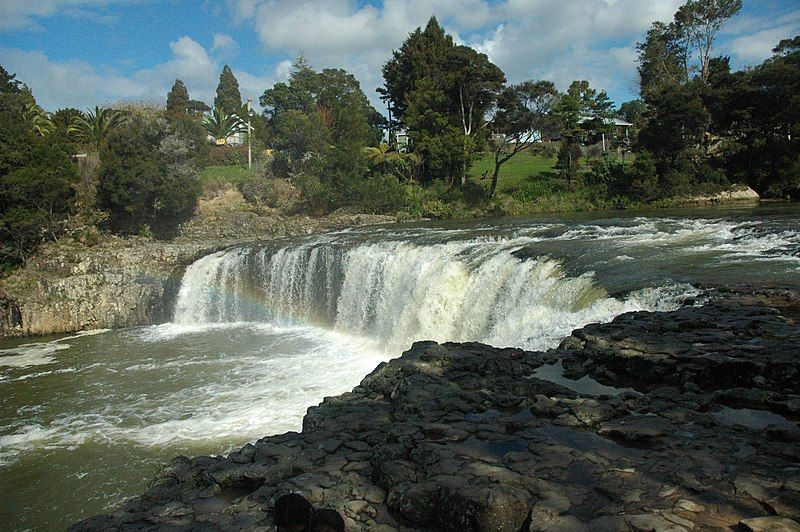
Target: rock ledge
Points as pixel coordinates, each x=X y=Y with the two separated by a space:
x=469 y=437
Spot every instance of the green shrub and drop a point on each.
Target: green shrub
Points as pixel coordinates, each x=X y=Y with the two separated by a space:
x=380 y=194
x=36 y=199
x=227 y=156
x=644 y=177
x=148 y=178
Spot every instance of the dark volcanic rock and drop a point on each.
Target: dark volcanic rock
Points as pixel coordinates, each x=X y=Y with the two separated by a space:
x=464 y=437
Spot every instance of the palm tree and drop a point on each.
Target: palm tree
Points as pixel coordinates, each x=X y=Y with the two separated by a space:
x=400 y=164
x=95 y=126
x=38 y=119
x=221 y=126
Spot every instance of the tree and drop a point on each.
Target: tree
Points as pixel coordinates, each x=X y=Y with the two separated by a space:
x=8 y=83
x=632 y=111
x=178 y=100
x=662 y=59
x=35 y=200
x=759 y=113
x=477 y=82
x=676 y=122
x=148 y=177
x=385 y=160
x=682 y=88
x=423 y=54
x=36 y=117
x=701 y=21
x=441 y=93
x=65 y=117
x=522 y=113
x=94 y=127
x=229 y=99
x=569 y=110
x=319 y=123
x=221 y=125
x=197 y=108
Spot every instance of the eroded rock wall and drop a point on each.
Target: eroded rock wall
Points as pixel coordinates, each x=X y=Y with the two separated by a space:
x=133 y=281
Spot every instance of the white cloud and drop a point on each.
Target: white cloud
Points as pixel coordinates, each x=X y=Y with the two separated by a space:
x=526 y=38
x=755 y=48
x=78 y=84
x=68 y=84
x=224 y=45
x=540 y=39
x=16 y=14
x=752 y=39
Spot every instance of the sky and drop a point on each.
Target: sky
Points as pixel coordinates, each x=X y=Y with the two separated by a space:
x=82 y=53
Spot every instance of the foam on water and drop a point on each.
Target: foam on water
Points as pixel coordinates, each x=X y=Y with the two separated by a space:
x=397 y=292
x=263 y=391
x=39 y=353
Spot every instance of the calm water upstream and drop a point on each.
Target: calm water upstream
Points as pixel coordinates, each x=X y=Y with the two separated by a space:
x=262 y=332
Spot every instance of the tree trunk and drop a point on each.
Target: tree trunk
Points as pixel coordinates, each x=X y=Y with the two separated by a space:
x=495 y=175
x=464 y=163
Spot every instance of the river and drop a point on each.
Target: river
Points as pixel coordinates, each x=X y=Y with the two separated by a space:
x=262 y=332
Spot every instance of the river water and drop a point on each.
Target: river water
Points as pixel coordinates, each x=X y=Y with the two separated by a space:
x=262 y=332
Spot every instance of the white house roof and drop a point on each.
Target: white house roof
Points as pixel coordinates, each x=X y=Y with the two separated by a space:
x=607 y=121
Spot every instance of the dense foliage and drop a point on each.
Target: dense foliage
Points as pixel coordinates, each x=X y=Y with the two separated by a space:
x=441 y=93
x=229 y=99
x=148 y=177
x=319 y=123
x=459 y=140
x=37 y=176
x=178 y=99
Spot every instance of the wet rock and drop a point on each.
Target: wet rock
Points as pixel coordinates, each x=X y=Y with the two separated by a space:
x=459 y=437
x=771 y=523
x=638 y=431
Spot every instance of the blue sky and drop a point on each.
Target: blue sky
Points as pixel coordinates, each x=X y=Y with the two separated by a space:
x=81 y=53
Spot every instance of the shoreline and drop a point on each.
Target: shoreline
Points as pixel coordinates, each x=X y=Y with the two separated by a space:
x=472 y=437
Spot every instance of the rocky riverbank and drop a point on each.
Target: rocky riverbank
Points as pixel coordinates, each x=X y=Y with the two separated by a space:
x=684 y=420
x=123 y=282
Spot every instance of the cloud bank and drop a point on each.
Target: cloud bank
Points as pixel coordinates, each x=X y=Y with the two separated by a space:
x=528 y=39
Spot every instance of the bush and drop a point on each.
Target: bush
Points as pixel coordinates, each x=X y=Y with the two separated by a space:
x=148 y=178
x=35 y=200
x=644 y=177
x=380 y=194
x=227 y=156
x=259 y=191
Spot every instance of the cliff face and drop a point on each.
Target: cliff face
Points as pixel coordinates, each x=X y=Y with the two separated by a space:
x=700 y=433
x=132 y=281
x=69 y=289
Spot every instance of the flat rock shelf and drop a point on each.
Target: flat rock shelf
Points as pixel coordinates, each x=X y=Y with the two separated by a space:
x=693 y=426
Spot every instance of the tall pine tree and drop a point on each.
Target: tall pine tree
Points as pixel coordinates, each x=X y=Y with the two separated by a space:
x=178 y=99
x=229 y=99
x=440 y=93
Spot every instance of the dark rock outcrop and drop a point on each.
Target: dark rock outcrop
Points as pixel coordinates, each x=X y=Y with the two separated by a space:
x=466 y=437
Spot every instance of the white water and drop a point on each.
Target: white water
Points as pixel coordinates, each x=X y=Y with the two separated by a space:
x=397 y=292
x=263 y=332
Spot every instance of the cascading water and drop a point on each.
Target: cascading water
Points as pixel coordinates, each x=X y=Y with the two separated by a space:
x=86 y=418
x=400 y=291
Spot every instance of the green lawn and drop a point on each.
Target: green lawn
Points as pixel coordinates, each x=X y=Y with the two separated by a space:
x=518 y=172
x=228 y=174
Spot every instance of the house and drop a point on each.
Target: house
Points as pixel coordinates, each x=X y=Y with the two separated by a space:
x=618 y=129
x=236 y=139
x=401 y=140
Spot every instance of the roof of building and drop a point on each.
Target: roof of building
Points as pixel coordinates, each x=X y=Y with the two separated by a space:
x=608 y=121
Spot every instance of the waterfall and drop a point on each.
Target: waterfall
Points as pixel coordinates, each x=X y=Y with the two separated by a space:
x=400 y=291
